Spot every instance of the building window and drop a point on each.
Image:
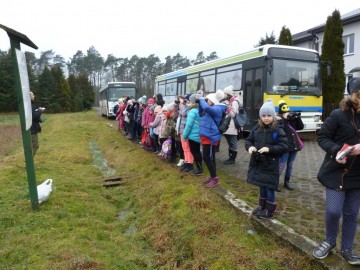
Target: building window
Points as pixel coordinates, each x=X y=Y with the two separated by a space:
x=349 y=44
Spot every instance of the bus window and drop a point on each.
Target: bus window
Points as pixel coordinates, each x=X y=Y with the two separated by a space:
x=229 y=78
x=191 y=85
x=170 y=89
x=209 y=82
x=161 y=89
x=293 y=77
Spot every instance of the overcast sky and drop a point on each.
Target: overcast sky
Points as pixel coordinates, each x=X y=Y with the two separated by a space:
x=161 y=27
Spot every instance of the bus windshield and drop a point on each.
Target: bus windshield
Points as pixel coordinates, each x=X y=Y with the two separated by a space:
x=294 y=77
x=117 y=92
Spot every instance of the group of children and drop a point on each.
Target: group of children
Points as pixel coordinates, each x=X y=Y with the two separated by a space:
x=189 y=127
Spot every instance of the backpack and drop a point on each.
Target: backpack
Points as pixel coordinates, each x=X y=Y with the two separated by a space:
x=224 y=123
x=166 y=149
x=240 y=119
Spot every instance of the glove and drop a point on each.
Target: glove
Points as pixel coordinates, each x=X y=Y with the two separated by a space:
x=264 y=150
x=252 y=149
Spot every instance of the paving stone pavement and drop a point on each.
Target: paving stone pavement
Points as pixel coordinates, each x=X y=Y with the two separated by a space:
x=303 y=208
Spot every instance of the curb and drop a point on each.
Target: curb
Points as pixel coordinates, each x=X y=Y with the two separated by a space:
x=285 y=233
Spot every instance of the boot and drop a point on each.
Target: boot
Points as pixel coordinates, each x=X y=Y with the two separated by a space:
x=184 y=166
x=287 y=183
x=268 y=211
x=232 y=157
x=262 y=203
x=213 y=182
x=188 y=168
x=199 y=169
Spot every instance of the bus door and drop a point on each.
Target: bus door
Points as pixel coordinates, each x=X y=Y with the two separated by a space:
x=181 y=82
x=253 y=94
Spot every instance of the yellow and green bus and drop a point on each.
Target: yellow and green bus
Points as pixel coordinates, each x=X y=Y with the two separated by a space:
x=278 y=72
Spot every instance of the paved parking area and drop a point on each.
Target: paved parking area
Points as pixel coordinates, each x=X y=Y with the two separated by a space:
x=303 y=208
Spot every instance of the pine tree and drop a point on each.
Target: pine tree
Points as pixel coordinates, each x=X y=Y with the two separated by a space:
x=88 y=92
x=285 y=37
x=267 y=40
x=333 y=50
x=61 y=90
x=8 y=99
x=45 y=94
x=76 y=94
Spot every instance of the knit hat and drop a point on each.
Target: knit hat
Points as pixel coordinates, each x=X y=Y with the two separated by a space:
x=283 y=107
x=192 y=99
x=353 y=85
x=229 y=90
x=142 y=100
x=151 y=100
x=158 y=109
x=267 y=108
x=216 y=97
x=152 y=108
x=187 y=97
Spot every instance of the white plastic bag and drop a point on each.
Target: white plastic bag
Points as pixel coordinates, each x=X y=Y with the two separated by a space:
x=44 y=190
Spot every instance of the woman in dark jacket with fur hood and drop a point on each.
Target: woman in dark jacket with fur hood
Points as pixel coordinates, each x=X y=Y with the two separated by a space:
x=341 y=178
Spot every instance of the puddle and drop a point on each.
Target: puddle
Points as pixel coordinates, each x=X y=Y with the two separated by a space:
x=99 y=160
x=123 y=215
x=131 y=230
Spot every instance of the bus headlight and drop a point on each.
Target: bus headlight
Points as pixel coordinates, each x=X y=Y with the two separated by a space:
x=316 y=118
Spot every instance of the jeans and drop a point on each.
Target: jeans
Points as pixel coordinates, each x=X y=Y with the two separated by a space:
x=232 y=142
x=268 y=194
x=287 y=159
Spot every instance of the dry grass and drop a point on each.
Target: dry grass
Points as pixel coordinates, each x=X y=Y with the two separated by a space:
x=9 y=135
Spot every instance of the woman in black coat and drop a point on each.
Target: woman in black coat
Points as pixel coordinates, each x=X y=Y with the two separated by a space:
x=341 y=178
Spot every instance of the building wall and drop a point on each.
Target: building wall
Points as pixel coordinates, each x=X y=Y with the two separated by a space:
x=350 y=60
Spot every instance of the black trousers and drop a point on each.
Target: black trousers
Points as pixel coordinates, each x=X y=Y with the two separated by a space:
x=209 y=158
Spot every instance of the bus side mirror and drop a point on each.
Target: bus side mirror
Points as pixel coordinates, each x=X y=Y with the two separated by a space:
x=269 y=64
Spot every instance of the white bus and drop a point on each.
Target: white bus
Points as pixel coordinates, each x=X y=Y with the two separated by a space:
x=278 y=72
x=109 y=96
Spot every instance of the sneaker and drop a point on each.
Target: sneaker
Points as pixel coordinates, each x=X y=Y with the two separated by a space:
x=197 y=171
x=212 y=183
x=322 y=250
x=351 y=257
x=188 y=168
x=181 y=162
x=207 y=180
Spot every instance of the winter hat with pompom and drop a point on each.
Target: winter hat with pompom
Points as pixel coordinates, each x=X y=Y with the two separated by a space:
x=267 y=108
x=229 y=90
x=216 y=97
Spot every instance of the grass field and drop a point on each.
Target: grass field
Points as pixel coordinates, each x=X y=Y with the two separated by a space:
x=157 y=218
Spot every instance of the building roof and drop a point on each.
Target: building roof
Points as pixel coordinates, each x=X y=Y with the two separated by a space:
x=347 y=18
